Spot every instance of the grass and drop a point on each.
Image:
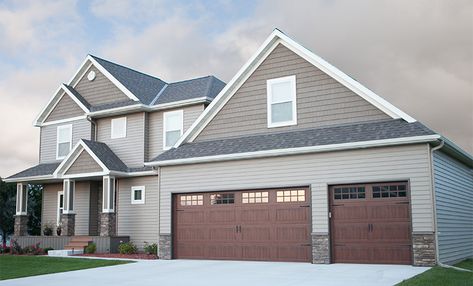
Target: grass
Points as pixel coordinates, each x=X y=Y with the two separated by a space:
x=443 y=276
x=12 y=266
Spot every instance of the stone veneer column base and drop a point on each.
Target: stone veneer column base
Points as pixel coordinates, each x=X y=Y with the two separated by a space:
x=68 y=224
x=423 y=246
x=21 y=225
x=108 y=226
x=164 y=246
x=320 y=249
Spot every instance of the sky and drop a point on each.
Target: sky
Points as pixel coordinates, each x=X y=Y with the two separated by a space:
x=417 y=54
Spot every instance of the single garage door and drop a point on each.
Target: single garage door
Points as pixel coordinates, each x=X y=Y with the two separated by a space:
x=370 y=223
x=269 y=225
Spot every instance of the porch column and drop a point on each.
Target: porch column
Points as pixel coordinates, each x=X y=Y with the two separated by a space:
x=68 y=216
x=108 y=216
x=21 y=217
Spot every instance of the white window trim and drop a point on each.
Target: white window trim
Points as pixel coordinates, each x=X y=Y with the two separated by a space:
x=165 y=115
x=269 y=83
x=19 y=197
x=143 y=192
x=59 y=206
x=115 y=136
x=67 y=193
x=57 y=140
x=106 y=207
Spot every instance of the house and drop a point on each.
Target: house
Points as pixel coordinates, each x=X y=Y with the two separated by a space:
x=292 y=160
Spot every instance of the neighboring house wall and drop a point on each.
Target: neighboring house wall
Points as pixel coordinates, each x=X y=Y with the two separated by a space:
x=81 y=129
x=65 y=108
x=100 y=90
x=50 y=203
x=129 y=149
x=84 y=164
x=454 y=205
x=315 y=170
x=155 y=127
x=139 y=221
x=321 y=100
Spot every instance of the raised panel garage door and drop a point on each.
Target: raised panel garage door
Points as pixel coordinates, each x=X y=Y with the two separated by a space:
x=370 y=223
x=268 y=225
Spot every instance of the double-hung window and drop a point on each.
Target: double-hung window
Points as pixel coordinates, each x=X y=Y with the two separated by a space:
x=118 y=128
x=281 y=97
x=173 y=127
x=64 y=141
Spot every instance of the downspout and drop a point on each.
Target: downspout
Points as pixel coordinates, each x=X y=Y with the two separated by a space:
x=436 y=232
x=159 y=207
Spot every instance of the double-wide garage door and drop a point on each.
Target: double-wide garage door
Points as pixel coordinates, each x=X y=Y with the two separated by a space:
x=271 y=225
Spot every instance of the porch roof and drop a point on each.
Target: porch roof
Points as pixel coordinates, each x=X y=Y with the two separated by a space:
x=40 y=170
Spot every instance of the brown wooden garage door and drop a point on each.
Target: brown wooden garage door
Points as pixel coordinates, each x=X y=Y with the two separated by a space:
x=270 y=225
x=370 y=223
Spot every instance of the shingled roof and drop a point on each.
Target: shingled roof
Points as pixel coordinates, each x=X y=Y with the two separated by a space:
x=38 y=170
x=386 y=129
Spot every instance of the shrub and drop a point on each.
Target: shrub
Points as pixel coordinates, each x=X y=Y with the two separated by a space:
x=46 y=249
x=15 y=248
x=151 y=248
x=91 y=248
x=33 y=249
x=48 y=229
x=127 y=248
x=4 y=250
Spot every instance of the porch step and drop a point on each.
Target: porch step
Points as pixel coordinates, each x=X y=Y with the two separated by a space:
x=78 y=242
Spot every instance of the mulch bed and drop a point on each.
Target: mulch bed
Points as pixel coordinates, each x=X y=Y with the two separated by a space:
x=118 y=255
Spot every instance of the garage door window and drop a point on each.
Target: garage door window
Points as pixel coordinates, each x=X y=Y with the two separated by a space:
x=389 y=191
x=290 y=196
x=222 y=199
x=192 y=200
x=348 y=193
x=255 y=198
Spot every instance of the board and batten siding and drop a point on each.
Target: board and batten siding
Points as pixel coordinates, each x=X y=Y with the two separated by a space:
x=139 y=221
x=84 y=164
x=454 y=208
x=99 y=91
x=155 y=127
x=65 y=108
x=81 y=129
x=129 y=149
x=321 y=100
x=317 y=170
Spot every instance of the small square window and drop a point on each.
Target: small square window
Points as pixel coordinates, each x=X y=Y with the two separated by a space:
x=118 y=128
x=138 y=195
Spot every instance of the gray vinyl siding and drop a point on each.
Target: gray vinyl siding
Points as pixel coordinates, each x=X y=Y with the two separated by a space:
x=99 y=91
x=315 y=170
x=66 y=108
x=50 y=203
x=84 y=164
x=129 y=149
x=139 y=221
x=81 y=208
x=321 y=101
x=454 y=205
x=155 y=127
x=81 y=129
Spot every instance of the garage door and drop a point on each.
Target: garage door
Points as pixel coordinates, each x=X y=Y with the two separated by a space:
x=270 y=225
x=370 y=223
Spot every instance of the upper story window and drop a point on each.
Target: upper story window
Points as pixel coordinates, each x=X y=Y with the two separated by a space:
x=63 y=141
x=281 y=101
x=173 y=127
x=118 y=128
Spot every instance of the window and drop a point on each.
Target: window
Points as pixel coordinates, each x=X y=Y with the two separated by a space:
x=290 y=196
x=192 y=200
x=281 y=101
x=60 y=206
x=389 y=191
x=108 y=193
x=138 y=195
x=254 y=198
x=222 y=199
x=64 y=141
x=346 y=193
x=173 y=127
x=118 y=128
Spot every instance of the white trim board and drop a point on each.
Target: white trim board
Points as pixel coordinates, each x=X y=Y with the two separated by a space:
x=275 y=38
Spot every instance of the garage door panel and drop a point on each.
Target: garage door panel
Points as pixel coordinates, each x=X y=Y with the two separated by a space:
x=254 y=215
x=191 y=217
x=222 y=215
x=256 y=233
x=257 y=252
x=350 y=213
x=292 y=214
x=391 y=231
x=223 y=251
x=191 y=234
x=391 y=254
x=395 y=212
x=343 y=232
x=291 y=233
x=223 y=233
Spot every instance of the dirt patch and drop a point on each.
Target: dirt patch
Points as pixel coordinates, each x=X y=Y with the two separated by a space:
x=118 y=255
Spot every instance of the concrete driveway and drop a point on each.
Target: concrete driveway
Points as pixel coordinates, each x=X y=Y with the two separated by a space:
x=228 y=273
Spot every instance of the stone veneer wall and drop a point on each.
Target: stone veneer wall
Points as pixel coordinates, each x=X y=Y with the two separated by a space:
x=21 y=225
x=108 y=224
x=423 y=246
x=68 y=224
x=320 y=248
x=164 y=246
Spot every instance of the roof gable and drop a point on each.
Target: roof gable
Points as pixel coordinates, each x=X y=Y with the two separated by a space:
x=83 y=163
x=276 y=38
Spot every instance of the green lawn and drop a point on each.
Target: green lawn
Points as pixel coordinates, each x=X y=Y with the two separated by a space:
x=12 y=266
x=443 y=276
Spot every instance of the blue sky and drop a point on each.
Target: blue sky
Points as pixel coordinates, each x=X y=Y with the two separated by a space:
x=417 y=54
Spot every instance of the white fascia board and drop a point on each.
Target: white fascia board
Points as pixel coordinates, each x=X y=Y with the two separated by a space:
x=112 y=79
x=85 y=175
x=76 y=78
x=27 y=179
x=133 y=174
x=300 y=150
x=48 y=107
x=62 y=121
x=76 y=100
